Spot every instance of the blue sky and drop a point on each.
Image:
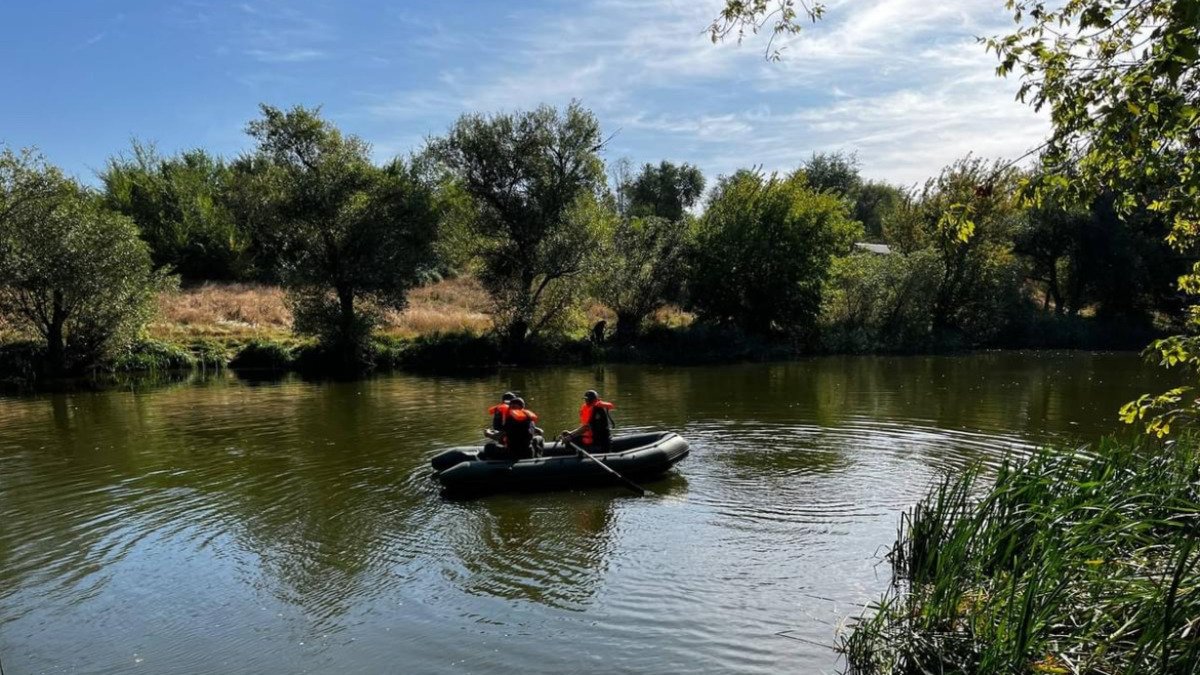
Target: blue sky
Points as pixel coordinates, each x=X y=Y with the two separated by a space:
x=901 y=82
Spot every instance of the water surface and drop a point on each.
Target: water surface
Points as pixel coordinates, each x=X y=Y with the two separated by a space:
x=285 y=527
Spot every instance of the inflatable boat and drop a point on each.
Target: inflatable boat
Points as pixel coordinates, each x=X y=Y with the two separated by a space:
x=638 y=456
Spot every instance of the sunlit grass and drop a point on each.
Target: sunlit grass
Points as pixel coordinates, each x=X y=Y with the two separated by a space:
x=1063 y=563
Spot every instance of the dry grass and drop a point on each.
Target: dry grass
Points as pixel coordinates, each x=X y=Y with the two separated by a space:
x=448 y=306
x=222 y=311
x=240 y=311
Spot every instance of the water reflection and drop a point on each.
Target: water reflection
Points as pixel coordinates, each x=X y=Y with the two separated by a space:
x=292 y=525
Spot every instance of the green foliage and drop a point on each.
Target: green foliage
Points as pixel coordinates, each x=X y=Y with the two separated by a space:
x=665 y=191
x=967 y=216
x=641 y=268
x=179 y=205
x=353 y=238
x=874 y=205
x=533 y=179
x=263 y=355
x=835 y=172
x=762 y=252
x=145 y=355
x=1121 y=80
x=779 y=17
x=880 y=302
x=1081 y=562
x=74 y=274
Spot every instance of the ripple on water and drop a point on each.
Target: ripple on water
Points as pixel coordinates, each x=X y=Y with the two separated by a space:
x=275 y=515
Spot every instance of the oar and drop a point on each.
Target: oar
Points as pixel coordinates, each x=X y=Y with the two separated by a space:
x=628 y=483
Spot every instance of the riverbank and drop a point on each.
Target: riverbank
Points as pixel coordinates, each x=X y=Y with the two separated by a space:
x=447 y=327
x=1065 y=562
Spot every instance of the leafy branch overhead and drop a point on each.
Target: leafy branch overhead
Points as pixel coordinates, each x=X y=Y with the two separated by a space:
x=740 y=18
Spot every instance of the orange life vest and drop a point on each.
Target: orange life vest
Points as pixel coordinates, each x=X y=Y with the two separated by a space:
x=518 y=432
x=586 y=413
x=499 y=414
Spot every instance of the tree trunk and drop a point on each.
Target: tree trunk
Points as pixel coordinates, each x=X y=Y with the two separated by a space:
x=55 y=347
x=1054 y=290
x=346 y=303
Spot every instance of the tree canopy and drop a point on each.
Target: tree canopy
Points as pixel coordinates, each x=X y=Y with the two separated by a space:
x=664 y=191
x=71 y=271
x=762 y=251
x=347 y=230
x=534 y=179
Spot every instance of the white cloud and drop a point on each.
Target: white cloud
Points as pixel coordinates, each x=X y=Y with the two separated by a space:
x=902 y=82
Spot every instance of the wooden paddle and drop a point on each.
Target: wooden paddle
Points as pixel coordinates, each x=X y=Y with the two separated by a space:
x=628 y=483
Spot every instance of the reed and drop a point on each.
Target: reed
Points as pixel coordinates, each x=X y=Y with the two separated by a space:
x=1063 y=562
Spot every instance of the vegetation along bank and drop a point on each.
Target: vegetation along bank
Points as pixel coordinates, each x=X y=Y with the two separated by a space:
x=509 y=240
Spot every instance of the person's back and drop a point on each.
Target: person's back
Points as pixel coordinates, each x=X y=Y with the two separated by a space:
x=520 y=427
x=500 y=412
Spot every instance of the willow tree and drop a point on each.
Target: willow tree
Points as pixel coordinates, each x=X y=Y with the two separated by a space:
x=352 y=237
x=533 y=178
x=71 y=272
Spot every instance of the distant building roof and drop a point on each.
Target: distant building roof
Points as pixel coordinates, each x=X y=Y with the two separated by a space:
x=881 y=249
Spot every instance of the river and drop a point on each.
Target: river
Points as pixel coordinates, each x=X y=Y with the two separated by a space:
x=288 y=526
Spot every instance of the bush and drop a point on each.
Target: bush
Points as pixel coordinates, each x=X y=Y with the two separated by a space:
x=450 y=351
x=152 y=356
x=263 y=355
x=21 y=362
x=762 y=252
x=209 y=354
x=879 y=302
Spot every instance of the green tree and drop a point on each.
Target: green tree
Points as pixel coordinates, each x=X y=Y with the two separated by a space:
x=533 y=178
x=664 y=191
x=968 y=215
x=874 y=205
x=179 y=206
x=835 y=172
x=1121 y=81
x=77 y=275
x=641 y=269
x=762 y=251
x=353 y=238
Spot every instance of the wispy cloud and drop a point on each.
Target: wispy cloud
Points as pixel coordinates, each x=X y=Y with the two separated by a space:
x=286 y=55
x=902 y=82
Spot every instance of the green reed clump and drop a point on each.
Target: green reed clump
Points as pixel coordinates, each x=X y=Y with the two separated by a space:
x=1068 y=562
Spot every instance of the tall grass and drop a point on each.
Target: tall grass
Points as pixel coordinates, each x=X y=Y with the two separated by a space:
x=1066 y=562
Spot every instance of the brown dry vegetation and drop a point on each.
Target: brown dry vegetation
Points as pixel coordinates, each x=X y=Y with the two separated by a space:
x=241 y=311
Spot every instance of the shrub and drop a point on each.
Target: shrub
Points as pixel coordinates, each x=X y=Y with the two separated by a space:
x=79 y=277
x=152 y=356
x=263 y=355
x=762 y=252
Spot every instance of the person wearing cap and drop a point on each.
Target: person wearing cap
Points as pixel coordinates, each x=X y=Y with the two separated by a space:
x=595 y=423
x=520 y=430
x=495 y=434
x=500 y=411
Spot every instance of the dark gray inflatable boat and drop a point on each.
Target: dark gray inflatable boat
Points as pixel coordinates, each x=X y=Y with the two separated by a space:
x=638 y=456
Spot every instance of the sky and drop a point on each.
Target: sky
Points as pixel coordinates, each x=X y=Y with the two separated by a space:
x=902 y=83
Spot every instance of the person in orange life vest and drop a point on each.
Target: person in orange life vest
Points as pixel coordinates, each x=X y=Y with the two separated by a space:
x=521 y=432
x=495 y=434
x=499 y=412
x=595 y=423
